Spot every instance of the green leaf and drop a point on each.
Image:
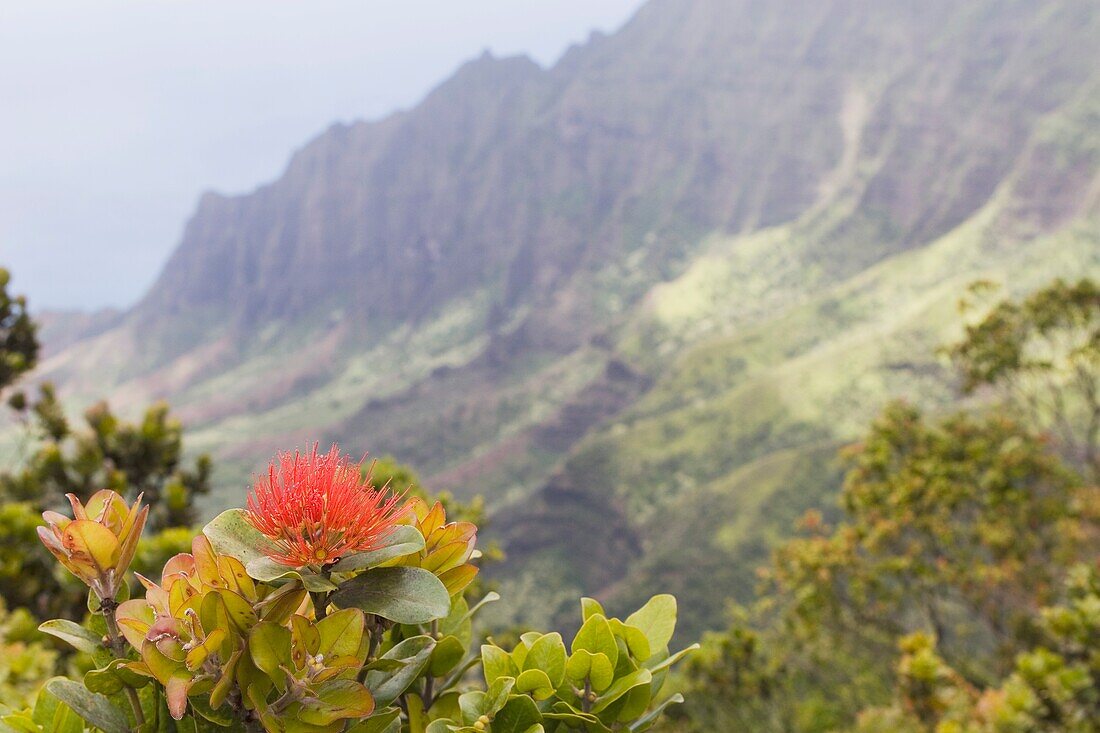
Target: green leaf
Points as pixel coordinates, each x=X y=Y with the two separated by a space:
x=238 y=609
x=222 y=685
x=595 y=636
x=519 y=653
x=601 y=672
x=269 y=646
x=590 y=607
x=160 y=666
x=388 y=686
x=663 y=662
x=341 y=633
x=385 y=665
x=385 y=721
x=231 y=534
x=535 y=683
x=495 y=662
x=548 y=655
x=657 y=620
x=52 y=715
x=441 y=725
x=448 y=653
x=279 y=606
x=134 y=619
x=287 y=724
x=636 y=641
x=576 y=720
x=497 y=695
x=629 y=706
x=94 y=708
x=473 y=705
x=337 y=699
x=223 y=717
x=73 y=633
x=517 y=716
x=404 y=540
x=622 y=686
x=267 y=570
x=21 y=723
x=445 y=706
x=304 y=639
x=458 y=622
x=596 y=667
x=404 y=595
x=113 y=678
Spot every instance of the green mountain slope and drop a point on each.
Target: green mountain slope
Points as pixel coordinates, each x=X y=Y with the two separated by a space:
x=739 y=434
x=640 y=297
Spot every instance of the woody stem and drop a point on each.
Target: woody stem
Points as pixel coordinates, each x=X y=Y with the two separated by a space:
x=320 y=598
x=429 y=682
x=117 y=646
x=320 y=603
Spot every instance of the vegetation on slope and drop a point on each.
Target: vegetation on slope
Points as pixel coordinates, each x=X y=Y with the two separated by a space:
x=957 y=591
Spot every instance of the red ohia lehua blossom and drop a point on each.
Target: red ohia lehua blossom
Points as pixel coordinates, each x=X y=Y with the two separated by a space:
x=317 y=508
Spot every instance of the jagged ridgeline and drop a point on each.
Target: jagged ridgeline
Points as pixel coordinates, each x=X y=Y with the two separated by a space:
x=638 y=298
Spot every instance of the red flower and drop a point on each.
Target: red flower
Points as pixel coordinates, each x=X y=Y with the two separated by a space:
x=318 y=508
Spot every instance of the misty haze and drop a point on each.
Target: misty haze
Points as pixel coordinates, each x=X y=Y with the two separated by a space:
x=768 y=331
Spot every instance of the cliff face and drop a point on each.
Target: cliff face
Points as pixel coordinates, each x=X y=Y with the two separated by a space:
x=503 y=282
x=699 y=114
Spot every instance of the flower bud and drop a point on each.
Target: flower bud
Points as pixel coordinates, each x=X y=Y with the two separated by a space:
x=448 y=547
x=99 y=542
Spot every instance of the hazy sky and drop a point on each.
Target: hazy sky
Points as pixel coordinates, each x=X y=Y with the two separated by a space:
x=117 y=114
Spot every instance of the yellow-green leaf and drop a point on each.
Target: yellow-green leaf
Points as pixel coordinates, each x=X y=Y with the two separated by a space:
x=657 y=620
x=91 y=545
x=269 y=647
x=595 y=636
x=341 y=632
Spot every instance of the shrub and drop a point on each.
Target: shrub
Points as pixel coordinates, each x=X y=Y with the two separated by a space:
x=327 y=605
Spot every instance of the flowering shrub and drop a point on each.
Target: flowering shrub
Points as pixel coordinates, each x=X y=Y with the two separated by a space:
x=327 y=605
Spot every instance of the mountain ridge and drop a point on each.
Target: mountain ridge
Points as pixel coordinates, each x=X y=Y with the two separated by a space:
x=524 y=284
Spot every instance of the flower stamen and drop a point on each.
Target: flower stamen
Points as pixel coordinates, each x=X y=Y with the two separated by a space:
x=317 y=508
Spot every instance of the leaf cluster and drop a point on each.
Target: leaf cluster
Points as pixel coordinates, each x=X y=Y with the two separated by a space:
x=377 y=641
x=608 y=679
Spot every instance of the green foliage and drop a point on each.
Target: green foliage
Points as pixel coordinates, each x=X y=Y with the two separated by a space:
x=18 y=340
x=130 y=458
x=1043 y=354
x=27 y=571
x=24 y=660
x=946 y=572
x=607 y=680
x=959 y=530
x=376 y=640
x=144 y=457
x=972 y=519
x=48 y=715
x=1053 y=687
x=401 y=479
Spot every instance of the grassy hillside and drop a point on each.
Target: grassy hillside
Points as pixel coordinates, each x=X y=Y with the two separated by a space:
x=761 y=383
